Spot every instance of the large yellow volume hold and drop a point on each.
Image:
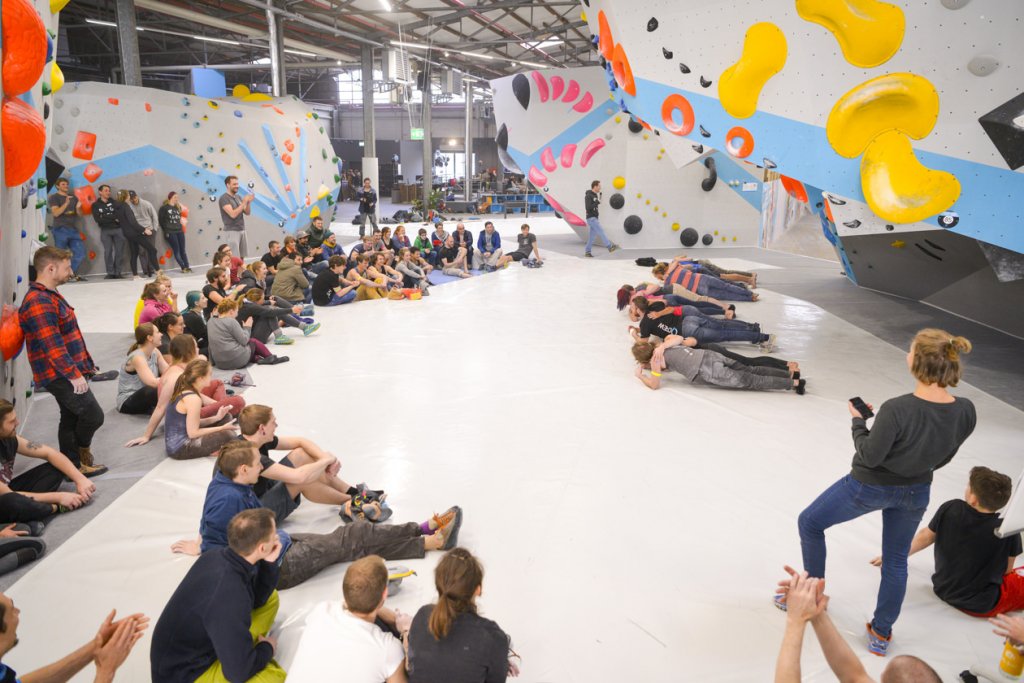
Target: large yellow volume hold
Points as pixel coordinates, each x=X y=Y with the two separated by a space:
x=869 y=32
x=897 y=187
x=764 y=55
x=905 y=102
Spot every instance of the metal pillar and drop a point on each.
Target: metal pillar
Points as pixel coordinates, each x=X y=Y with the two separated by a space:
x=468 y=147
x=275 y=26
x=369 y=124
x=128 y=42
x=428 y=151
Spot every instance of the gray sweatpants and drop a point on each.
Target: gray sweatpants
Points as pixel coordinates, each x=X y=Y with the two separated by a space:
x=724 y=372
x=491 y=260
x=236 y=239
x=312 y=553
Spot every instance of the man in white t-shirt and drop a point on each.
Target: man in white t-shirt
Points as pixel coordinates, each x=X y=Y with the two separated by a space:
x=344 y=643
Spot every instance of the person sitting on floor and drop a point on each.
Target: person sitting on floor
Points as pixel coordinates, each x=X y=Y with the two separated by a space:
x=806 y=602
x=231 y=347
x=382 y=244
x=155 y=302
x=317 y=233
x=272 y=258
x=464 y=238
x=195 y=320
x=332 y=248
x=413 y=276
x=170 y=326
x=290 y=283
x=216 y=290
x=35 y=495
x=215 y=625
x=366 y=288
x=453 y=259
x=527 y=244
x=254 y=276
x=137 y=377
x=239 y=467
x=973 y=566
x=488 y=249
x=234 y=263
x=400 y=240
x=330 y=288
x=214 y=396
x=661 y=320
x=701 y=366
x=449 y=641
x=311 y=257
x=422 y=262
x=364 y=247
x=439 y=236
x=425 y=247
x=268 y=319
x=680 y=275
x=348 y=632
x=187 y=434
x=379 y=269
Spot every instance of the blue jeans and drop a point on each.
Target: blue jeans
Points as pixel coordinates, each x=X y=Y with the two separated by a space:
x=708 y=330
x=596 y=231
x=902 y=509
x=722 y=290
x=177 y=242
x=70 y=239
x=339 y=300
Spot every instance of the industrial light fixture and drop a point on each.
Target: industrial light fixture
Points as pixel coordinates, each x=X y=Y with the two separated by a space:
x=452 y=142
x=97 y=22
x=385 y=5
x=534 y=65
x=299 y=52
x=216 y=40
x=550 y=42
x=476 y=55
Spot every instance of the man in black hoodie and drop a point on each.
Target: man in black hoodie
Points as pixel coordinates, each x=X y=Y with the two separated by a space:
x=593 y=200
x=367 y=206
x=106 y=213
x=215 y=626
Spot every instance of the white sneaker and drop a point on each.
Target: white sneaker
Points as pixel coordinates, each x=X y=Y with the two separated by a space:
x=768 y=345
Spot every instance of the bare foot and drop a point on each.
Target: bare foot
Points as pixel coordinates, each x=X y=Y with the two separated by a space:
x=793 y=366
x=754 y=297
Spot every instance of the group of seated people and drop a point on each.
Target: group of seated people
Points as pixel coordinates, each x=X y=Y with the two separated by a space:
x=683 y=328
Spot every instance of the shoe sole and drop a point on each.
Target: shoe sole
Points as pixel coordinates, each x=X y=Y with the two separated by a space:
x=453 y=538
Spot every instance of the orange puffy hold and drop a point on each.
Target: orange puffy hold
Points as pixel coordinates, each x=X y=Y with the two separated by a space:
x=85 y=145
x=92 y=172
x=86 y=198
x=24 y=46
x=622 y=71
x=289 y=145
x=795 y=188
x=24 y=140
x=12 y=338
x=287 y=159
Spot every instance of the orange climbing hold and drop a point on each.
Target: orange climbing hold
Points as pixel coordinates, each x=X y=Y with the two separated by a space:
x=86 y=198
x=622 y=71
x=24 y=46
x=85 y=145
x=289 y=145
x=92 y=172
x=114 y=101
x=677 y=103
x=12 y=338
x=287 y=159
x=149 y=107
x=795 y=188
x=92 y=255
x=605 y=42
x=746 y=145
x=24 y=140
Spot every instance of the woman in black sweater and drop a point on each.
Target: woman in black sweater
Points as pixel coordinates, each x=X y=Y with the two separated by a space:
x=913 y=435
x=195 y=322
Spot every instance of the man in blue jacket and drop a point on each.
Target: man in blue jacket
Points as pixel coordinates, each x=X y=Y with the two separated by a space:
x=488 y=249
x=214 y=628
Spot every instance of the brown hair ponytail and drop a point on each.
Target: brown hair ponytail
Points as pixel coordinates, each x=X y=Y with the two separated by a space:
x=936 y=357
x=194 y=371
x=142 y=333
x=457 y=577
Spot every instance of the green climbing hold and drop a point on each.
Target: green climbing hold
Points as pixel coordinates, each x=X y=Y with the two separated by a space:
x=321 y=129
x=42 y=237
x=41 y=203
x=337 y=178
x=315 y=115
x=28 y=393
x=41 y=184
x=324 y=152
x=334 y=160
x=47 y=90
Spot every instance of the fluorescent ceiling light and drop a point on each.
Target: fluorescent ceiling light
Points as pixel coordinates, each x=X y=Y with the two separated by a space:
x=386 y=5
x=476 y=55
x=415 y=45
x=300 y=52
x=97 y=22
x=550 y=42
x=217 y=40
x=453 y=141
x=534 y=65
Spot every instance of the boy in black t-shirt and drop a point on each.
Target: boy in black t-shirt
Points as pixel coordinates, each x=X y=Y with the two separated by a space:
x=330 y=288
x=974 y=567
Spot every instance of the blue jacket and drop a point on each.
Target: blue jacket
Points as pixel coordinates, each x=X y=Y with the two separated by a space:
x=328 y=252
x=224 y=500
x=468 y=243
x=481 y=246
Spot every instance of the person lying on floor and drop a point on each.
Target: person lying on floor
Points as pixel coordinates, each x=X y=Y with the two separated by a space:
x=35 y=495
x=214 y=395
x=351 y=632
x=187 y=434
x=624 y=298
x=661 y=320
x=704 y=266
x=139 y=373
x=215 y=626
x=683 y=278
x=304 y=555
x=231 y=346
x=701 y=366
x=974 y=567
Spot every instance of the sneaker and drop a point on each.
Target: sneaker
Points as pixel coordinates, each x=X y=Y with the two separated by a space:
x=105 y=376
x=450 y=531
x=269 y=360
x=283 y=340
x=111 y=277
x=310 y=329
x=31 y=528
x=612 y=248
x=768 y=345
x=308 y=309
x=877 y=644
x=280 y=359
x=445 y=518
x=588 y=254
x=801 y=387
x=779 y=600
x=92 y=470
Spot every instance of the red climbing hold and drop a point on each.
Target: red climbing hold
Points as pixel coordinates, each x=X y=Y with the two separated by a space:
x=114 y=101
x=85 y=145
x=795 y=188
x=92 y=172
x=24 y=140
x=149 y=107
x=289 y=145
x=86 y=198
x=12 y=338
x=24 y=43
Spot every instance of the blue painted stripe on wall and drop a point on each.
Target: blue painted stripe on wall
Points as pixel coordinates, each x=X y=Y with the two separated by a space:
x=285 y=180
x=282 y=208
x=728 y=170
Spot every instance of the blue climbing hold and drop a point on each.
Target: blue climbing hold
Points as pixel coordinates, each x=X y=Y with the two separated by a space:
x=24 y=234
x=238 y=113
x=19 y=279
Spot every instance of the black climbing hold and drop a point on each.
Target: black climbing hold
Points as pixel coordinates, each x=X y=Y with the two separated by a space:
x=852 y=224
x=666 y=53
x=699 y=149
x=652 y=24
x=604 y=63
x=632 y=225
x=707 y=239
x=704 y=83
x=704 y=132
x=586 y=2
x=689 y=237
x=1007 y=136
x=769 y=164
x=616 y=201
x=685 y=69
x=46 y=110
x=635 y=126
x=508 y=162
x=502 y=137
x=819 y=205
x=837 y=202
x=557 y=215
x=708 y=183
x=948 y=219
x=521 y=89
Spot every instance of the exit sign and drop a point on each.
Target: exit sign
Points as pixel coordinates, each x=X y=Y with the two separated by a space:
x=415 y=133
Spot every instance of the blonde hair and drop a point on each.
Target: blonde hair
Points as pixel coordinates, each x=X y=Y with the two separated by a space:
x=936 y=357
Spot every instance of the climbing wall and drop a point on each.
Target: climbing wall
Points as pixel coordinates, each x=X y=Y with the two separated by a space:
x=153 y=142
x=560 y=129
x=890 y=118
x=30 y=75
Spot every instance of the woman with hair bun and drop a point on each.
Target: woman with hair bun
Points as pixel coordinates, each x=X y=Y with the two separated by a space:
x=449 y=641
x=913 y=435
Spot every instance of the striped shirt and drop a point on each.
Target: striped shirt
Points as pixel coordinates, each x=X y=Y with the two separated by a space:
x=684 y=277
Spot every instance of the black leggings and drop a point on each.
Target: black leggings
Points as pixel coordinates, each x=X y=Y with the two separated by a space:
x=142 y=402
x=136 y=242
x=15 y=507
x=750 y=361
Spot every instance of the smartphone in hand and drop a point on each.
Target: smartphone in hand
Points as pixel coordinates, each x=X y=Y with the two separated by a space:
x=862 y=407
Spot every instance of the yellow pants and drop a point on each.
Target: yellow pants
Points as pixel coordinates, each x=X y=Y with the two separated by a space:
x=364 y=293
x=262 y=621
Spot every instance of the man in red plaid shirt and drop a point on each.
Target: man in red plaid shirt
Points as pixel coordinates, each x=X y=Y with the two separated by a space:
x=61 y=363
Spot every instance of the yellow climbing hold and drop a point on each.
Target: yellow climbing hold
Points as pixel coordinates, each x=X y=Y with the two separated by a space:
x=323 y=192
x=638 y=195
x=56 y=6
x=314 y=212
x=257 y=97
x=869 y=32
x=619 y=182
x=646 y=136
x=676 y=226
x=898 y=244
x=902 y=101
x=648 y=201
x=240 y=91
x=664 y=215
x=764 y=55
x=56 y=78
x=618 y=119
x=897 y=187
x=583 y=16
x=656 y=208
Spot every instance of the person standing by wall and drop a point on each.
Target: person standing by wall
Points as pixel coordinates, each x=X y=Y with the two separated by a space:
x=233 y=210
x=64 y=209
x=146 y=216
x=60 y=361
x=367 y=206
x=105 y=211
x=140 y=247
x=593 y=201
x=169 y=218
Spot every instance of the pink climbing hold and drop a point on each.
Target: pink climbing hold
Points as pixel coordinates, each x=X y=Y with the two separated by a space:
x=585 y=104
x=537 y=178
x=548 y=160
x=557 y=86
x=572 y=92
x=150 y=171
x=593 y=148
x=542 y=85
x=568 y=153
x=573 y=219
x=554 y=205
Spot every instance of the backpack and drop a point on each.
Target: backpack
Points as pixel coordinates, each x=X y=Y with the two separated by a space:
x=647 y=262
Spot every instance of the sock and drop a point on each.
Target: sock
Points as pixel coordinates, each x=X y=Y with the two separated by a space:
x=352 y=491
x=425 y=528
